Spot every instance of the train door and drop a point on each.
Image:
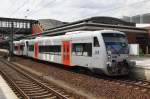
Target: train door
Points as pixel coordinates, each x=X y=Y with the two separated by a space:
x=36 y=50
x=96 y=51
x=21 y=48
x=26 y=48
x=66 y=53
x=18 y=49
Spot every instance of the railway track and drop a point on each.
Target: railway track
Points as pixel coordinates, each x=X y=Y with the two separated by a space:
x=27 y=87
x=139 y=84
x=143 y=85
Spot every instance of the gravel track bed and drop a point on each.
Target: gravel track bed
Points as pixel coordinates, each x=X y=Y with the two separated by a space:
x=95 y=86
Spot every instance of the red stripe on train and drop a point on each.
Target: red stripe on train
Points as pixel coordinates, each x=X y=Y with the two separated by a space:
x=36 y=50
x=66 y=53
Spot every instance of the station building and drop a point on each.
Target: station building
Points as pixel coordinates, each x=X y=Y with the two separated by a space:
x=19 y=27
x=25 y=28
x=142 y=21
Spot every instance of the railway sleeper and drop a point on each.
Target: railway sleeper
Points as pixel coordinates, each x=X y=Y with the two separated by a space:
x=30 y=89
x=54 y=97
x=40 y=94
x=28 y=85
x=37 y=91
x=23 y=81
x=43 y=96
x=145 y=84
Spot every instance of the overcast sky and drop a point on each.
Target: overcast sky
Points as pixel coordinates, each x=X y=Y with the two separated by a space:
x=72 y=10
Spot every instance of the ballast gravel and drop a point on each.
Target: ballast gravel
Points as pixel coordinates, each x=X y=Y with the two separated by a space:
x=97 y=87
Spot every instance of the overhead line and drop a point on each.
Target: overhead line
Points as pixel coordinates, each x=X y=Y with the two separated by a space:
x=18 y=8
x=46 y=5
x=117 y=7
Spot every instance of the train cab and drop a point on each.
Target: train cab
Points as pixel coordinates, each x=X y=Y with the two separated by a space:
x=24 y=47
x=16 y=48
x=114 y=52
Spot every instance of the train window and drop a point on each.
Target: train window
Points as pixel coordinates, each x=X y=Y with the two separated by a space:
x=22 y=47
x=96 y=43
x=31 y=48
x=88 y=49
x=15 y=48
x=79 y=48
x=41 y=48
x=82 y=49
x=50 y=49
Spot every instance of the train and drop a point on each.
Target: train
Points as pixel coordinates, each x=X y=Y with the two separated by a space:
x=102 y=51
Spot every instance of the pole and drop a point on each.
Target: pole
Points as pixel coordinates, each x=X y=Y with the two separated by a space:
x=11 y=41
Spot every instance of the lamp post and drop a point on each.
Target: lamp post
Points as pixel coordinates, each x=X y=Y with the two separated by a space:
x=11 y=39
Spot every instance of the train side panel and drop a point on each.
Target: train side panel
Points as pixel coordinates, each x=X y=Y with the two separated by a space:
x=81 y=51
x=99 y=54
x=16 y=47
x=25 y=48
x=31 y=49
x=48 y=49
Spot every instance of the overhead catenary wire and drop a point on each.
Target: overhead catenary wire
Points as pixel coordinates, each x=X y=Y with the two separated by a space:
x=103 y=11
x=41 y=8
x=108 y=10
x=100 y=12
x=12 y=6
x=19 y=8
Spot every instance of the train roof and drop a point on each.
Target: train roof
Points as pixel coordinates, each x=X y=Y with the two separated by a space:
x=75 y=34
x=108 y=31
x=101 y=31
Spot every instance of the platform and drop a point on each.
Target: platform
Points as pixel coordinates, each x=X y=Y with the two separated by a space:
x=142 y=68
x=5 y=90
x=4 y=50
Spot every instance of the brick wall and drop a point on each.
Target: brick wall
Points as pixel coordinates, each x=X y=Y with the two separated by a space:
x=131 y=38
x=36 y=28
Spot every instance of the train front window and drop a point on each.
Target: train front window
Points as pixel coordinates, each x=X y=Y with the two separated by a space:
x=117 y=47
x=116 y=43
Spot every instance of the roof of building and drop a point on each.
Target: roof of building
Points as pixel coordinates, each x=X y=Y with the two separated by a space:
x=101 y=20
x=92 y=24
x=50 y=23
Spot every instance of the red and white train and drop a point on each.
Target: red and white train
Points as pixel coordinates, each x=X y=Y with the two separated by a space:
x=104 y=51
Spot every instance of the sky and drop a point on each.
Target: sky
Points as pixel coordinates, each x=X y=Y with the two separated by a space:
x=72 y=10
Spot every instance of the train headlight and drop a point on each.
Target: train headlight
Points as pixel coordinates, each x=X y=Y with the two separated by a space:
x=109 y=55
